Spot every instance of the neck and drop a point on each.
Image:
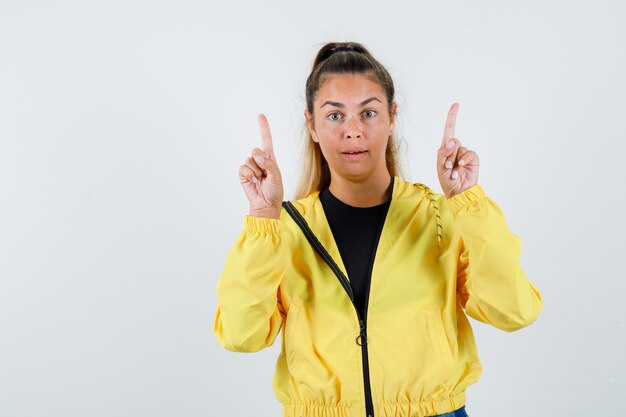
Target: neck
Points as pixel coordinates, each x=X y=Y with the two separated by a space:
x=368 y=193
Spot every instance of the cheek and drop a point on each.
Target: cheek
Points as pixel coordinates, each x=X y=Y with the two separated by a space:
x=382 y=128
x=329 y=139
x=328 y=129
x=381 y=135
x=328 y=146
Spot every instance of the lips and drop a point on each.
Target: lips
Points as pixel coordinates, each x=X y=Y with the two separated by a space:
x=354 y=151
x=354 y=155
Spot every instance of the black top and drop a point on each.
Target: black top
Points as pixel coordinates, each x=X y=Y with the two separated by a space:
x=356 y=231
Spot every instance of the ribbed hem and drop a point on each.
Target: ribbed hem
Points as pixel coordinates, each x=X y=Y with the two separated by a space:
x=422 y=409
x=466 y=199
x=381 y=409
x=261 y=225
x=315 y=410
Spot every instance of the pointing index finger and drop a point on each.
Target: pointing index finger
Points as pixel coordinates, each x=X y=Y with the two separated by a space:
x=266 y=135
x=448 y=132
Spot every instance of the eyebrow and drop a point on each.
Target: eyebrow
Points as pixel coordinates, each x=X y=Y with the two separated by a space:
x=337 y=104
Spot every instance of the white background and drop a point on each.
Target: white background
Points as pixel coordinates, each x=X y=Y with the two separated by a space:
x=122 y=128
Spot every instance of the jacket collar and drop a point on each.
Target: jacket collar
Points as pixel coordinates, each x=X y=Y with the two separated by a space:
x=313 y=212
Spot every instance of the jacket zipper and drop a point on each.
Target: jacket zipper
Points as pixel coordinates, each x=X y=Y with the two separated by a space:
x=369 y=407
x=361 y=339
x=366 y=376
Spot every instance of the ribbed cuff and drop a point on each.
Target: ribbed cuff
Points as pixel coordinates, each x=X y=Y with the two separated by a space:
x=466 y=198
x=261 y=224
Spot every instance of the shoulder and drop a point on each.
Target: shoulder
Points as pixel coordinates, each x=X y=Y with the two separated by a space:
x=463 y=201
x=418 y=203
x=305 y=206
x=308 y=208
x=414 y=194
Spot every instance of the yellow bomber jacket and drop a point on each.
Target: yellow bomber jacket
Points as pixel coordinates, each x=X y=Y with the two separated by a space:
x=437 y=260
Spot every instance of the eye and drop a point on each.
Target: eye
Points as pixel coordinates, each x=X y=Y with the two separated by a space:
x=369 y=113
x=334 y=116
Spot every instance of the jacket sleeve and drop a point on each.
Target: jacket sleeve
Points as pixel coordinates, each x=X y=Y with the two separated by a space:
x=491 y=284
x=249 y=314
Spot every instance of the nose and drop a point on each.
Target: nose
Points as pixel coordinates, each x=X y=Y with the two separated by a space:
x=352 y=128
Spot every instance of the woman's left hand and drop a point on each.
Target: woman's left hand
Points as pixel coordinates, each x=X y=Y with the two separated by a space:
x=457 y=167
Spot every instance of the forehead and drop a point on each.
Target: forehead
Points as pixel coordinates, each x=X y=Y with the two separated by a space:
x=349 y=88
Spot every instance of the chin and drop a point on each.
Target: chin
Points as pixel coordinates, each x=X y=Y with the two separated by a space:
x=356 y=175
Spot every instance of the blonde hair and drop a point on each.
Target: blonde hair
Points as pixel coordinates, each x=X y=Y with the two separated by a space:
x=341 y=58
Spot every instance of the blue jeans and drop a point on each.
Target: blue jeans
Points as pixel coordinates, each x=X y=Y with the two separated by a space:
x=456 y=413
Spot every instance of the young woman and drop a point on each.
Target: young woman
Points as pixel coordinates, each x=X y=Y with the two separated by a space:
x=369 y=276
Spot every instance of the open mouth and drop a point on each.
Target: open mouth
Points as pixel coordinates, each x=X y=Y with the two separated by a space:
x=354 y=155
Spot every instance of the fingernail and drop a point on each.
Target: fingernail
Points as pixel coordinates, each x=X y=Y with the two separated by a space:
x=448 y=164
x=462 y=162
x=450 y=144
x=259 y=159
x=254 y=180
x=455 y=175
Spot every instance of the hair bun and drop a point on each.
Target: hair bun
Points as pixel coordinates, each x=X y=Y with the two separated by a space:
x=340 y=48
x=344 y=48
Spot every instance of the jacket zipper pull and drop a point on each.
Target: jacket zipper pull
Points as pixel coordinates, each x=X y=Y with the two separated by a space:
x=362 y=337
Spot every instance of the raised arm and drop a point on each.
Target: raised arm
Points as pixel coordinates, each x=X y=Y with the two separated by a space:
x=249 y=313
x=491 y=284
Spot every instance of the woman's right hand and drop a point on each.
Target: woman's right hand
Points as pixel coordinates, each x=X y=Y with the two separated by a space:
x=260 y=177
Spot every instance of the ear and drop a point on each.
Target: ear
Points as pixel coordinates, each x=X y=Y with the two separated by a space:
x=309 y=124
x=392 y=118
